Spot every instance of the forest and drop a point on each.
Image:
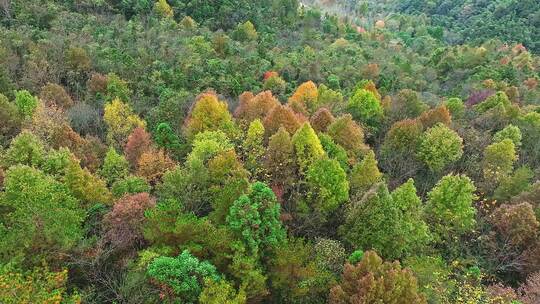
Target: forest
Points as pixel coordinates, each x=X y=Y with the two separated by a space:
x=270 y=151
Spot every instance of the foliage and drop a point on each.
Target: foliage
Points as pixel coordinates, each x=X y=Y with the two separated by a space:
x=26 y=103
x=307 y=147
x=328 y=185
x=254 y=217
x=499 y=160
x=37 y=286
x=40 y=215
x=184 y=275
x=209 y=114
x=221 y=292
x=365 y=107
x=373 y=281
x=449 y=207
x=129 y=185
x=123 y=224
x=25 y=149
x=365 y=174
x=440 y=146
x=121 y=121
x=114 y=168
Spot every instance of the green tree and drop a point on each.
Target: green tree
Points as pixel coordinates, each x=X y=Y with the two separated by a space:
x=455 y=106
x=184 y=274
x=366 y=108
x=40 y=215
x=328 y=185
x=498 y=161
x=440 y=146
x=26 y=103
x=114 y=168
x=245 y=32
x=509 y=132
x=25 y=149
x=129 y=185
x=334 y=151
x=254 y=148
x=449 y=208
x=307 y=146
x=221 y=292
x=365 y=174
x=255 y=218
x=165 y=138
x=10 y=119
x=390 y=223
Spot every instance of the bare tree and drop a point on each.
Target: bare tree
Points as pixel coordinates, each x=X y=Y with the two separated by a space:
x=6 y=8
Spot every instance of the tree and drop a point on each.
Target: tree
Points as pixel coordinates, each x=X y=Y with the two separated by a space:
x=115 y=167
x=165 y=138
x=254 y=149
x=254 y=217
x=334 y=151
x=349 y=135
x=374 y=281
x=227 y=180
x=163 y=9
x=255 y=107
x=440 y=146
x=328 y=185
x=86 y=187
x=121 y=121
x=509 y=132
x=365 y=174
x=305 y=97
x=439 y=115
x=307 y=146
x=55 y=95
x=455 y=106
x=406 y=105
x=10 y=119
x=37 y=286
x=26 y=103
x=153 y=164
x=364 y=107
x=496 y=100
x=498 y=161
x=294 y=275
x=449 y=207
x=138 y=142
x=281 y=116
x=129 y=185
x=390 y=223
x=209 y=114
x=321 y=119
x=40 y=216
x=25 y=149
x=221 y=292
x=245 y=32
x=123 y=224
x=184 y=275
x=511 y=186
x=329 y=98
x=279 y=159
x=116 y=88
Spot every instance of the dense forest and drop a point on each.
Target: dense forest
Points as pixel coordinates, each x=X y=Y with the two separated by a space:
x=270 y=151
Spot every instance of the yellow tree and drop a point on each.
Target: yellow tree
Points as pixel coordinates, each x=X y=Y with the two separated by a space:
x=121 y=121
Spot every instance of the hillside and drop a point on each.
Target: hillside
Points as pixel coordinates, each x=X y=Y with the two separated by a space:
x=269 y=151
